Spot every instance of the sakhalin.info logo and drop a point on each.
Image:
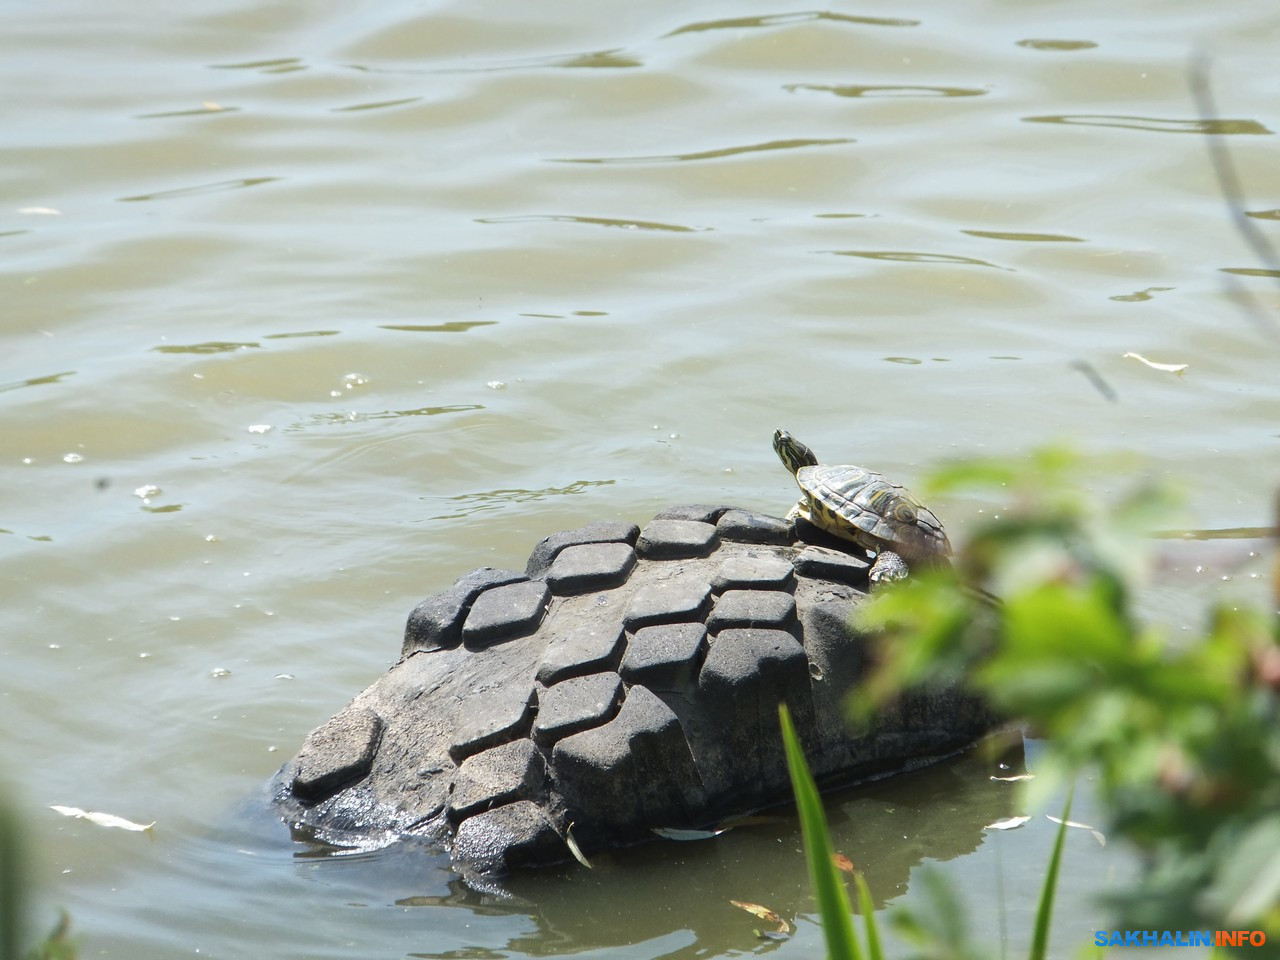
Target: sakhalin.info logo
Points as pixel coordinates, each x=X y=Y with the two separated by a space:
x=1179 y=938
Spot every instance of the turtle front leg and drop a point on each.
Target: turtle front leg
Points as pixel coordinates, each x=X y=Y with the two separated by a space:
x=888 y=567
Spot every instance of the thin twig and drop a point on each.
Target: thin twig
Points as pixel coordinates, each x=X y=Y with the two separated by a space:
x=1224 y=170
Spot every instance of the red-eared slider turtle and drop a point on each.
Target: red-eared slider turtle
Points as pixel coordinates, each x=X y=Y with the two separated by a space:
x=862 y=506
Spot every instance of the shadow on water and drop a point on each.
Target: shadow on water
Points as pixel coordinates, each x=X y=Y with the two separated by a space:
x=679 y=893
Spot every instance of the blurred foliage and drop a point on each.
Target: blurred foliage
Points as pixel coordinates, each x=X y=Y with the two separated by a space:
x=13 y=880
x=1183 y=736
x=939 y=932
x=57 y=945
x=11 y=876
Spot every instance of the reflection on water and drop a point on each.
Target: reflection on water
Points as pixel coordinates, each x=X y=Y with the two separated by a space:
x=641 y=894
x=1099 y=382
x=470 y=503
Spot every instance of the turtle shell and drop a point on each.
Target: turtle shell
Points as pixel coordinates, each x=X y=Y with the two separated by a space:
x=862 y=506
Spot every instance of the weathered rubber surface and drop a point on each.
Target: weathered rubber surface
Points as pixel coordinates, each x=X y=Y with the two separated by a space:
x=628 y=679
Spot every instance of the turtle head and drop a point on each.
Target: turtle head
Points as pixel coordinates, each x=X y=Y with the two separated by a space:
x=792 y=452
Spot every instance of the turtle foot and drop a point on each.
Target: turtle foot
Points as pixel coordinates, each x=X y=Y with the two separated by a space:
x=888 y=567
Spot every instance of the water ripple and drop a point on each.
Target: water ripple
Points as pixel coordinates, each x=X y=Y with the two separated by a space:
x=709 y=154
x=204 y=110
x=495 y=499
x=209 y=346
x=595 y=221
x=886 y=90
x=614 y=59
x=451 y=326
x=1024 y=237
x=278 y=65
x=202 y=188
x=783 y=19
x=1058 y=45
x=912 y=256
x=377 y=105
x=36 y=381
x=1153 y=124
x=394 y=414
x=300 y=333
x=1250 y=271
x=1139 y=295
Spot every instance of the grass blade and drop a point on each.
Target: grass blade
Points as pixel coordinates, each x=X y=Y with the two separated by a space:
x=1044 y=912
x=874 y=950
x=828 y=888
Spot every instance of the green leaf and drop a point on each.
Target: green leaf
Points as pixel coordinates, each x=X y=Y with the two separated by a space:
x=874 y=950
x=572 y=844
x=1044 y=912
x=833 y=902
x=1248 y=881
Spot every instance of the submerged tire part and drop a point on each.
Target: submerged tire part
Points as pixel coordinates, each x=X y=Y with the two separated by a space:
x=627 y=680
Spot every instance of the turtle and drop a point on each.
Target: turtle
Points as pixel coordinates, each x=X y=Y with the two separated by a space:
x=860 y=505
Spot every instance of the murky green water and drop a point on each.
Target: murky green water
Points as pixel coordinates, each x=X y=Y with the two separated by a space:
x=309 y=308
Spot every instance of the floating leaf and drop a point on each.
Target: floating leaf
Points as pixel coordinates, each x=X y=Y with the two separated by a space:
x=1008 y=823
x=1166 y=367
x=1015 y=778
x=842 y=862
x=674 y=833
x=572 y=844
x=1097 y=834
x=764 y=913
x=103 y=819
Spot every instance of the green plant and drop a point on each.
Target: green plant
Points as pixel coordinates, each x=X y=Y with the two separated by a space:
x=11 y=913
x=939 y=934
x=1184 y=736
x=828 y=887
x=57 y=945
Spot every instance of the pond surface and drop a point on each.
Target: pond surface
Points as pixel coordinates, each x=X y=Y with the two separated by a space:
x=311 y=307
